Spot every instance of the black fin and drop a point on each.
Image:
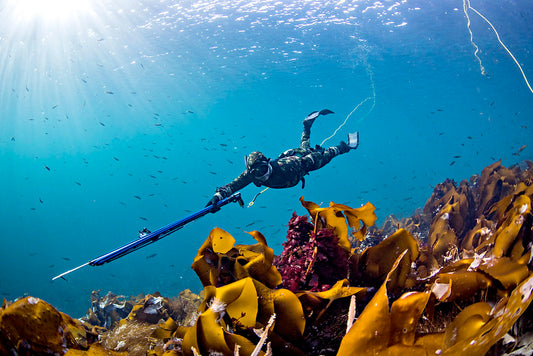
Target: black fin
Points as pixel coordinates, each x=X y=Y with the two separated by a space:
x=326 y=111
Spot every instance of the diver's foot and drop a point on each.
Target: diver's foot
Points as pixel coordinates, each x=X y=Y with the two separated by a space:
x=308 y=121
x=353 y=140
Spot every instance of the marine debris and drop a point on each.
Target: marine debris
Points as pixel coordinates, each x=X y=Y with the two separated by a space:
x=454 y=278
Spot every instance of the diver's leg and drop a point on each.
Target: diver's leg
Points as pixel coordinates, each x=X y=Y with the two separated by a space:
x=308 y=122
x=306 y=133
x=306 y=136
x=319 y=159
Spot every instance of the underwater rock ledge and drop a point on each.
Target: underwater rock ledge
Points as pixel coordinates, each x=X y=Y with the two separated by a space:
x=454 y=278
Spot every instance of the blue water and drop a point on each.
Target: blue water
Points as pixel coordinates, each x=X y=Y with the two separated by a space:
x=162 y=100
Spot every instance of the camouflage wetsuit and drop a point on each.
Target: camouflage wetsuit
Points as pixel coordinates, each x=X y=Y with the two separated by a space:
x=290 y=167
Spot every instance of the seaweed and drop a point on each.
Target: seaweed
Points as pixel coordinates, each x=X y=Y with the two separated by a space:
x=454 y=278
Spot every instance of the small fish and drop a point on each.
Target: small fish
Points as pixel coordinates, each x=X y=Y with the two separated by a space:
x=41 y=201
x=470 y=138
x=33 y=209
x=51 y=266
x=452 y=163
x=440 y=110
x=143 y=218
x=116 y=159
x=151 y=176
x=151 y=256
x=65 y=258
x=137 y=197
x=12 y=138
x=441 y=133
x=213 y=173
x=157 y=124
x=223 y=145
x=229 y=161
x=55 y=106
x=101 y=123
x=47 y=168
x=109 y=92
x=28 y=90
x=456 y=156
x=83 y=80
x=78 y=183
x=250 y=224
x=522 y=148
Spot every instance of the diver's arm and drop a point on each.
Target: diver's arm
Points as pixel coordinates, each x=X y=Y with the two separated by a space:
x=225 y=191
x=238 y=183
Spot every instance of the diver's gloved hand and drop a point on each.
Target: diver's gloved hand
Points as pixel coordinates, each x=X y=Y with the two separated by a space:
x=214 y=202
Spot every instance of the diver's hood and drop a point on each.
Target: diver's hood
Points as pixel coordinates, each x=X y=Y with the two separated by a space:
x=258 y=165
x=253 y=159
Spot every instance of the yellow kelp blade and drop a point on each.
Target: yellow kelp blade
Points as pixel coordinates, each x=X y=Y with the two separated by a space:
x=376 y=262
x=507 y=233
x=290 y=320
x=467 y=323
x=240 y=298
x=505 y=271
x=206 y=262
x=259 y=258
x=359 y=218
x=221 y=241
x=405 y=312
x=370 y=334
x=460 y=285
x=341 y=289
x=340 y=217
x=486 y=336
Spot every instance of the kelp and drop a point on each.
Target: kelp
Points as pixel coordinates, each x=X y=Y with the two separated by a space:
x=244 y=299
x=31 y=325
x=220 y=262
x=452 y=279
x=478 y=250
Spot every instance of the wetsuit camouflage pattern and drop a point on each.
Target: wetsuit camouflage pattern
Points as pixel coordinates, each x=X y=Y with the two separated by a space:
x=290 y=167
